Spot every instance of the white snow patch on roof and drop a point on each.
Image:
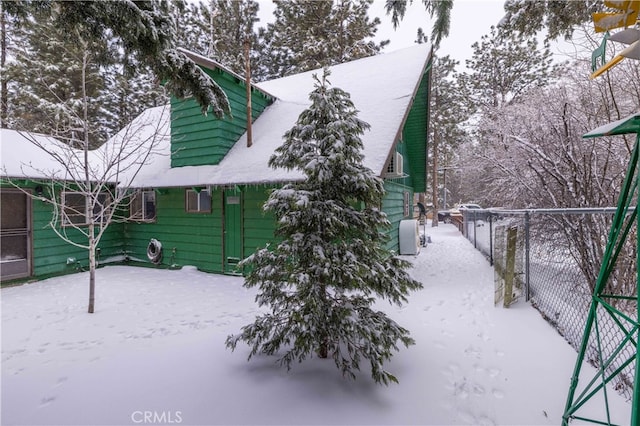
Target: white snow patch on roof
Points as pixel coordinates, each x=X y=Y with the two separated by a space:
x=380 y=86
x=24 y=155
x=144 y=141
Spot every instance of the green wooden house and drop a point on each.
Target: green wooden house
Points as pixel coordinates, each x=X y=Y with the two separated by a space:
x=201 y=192
x=28 y=245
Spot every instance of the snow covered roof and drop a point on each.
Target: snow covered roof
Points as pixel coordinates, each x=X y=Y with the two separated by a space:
x=381 y=87
x=24 y=155
x=630 y=124
x=146 y=140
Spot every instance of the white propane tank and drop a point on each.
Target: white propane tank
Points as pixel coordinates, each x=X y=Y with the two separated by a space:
x=409 y=236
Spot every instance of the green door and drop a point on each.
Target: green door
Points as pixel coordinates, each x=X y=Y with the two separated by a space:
x=232 y=231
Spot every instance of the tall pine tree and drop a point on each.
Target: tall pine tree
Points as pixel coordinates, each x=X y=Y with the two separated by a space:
x=308 y=35
x=145 y=29
x=232 y=24
x=322 y=279
x=46 y=81
x=504 y=66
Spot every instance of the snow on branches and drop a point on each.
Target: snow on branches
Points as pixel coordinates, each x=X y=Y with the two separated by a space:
x=321 y=280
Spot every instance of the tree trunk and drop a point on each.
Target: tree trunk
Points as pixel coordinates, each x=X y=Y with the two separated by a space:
x=92 y=267
x=91 y=230
x=434 y=180
x=323 y=347
x=3 y=60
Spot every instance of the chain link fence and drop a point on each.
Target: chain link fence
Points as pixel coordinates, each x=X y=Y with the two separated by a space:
x=547 y=272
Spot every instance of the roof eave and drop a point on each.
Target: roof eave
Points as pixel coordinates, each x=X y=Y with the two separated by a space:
x=630 y=124
x=212 y=65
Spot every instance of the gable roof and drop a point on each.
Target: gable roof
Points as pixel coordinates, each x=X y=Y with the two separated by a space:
x=382 y=88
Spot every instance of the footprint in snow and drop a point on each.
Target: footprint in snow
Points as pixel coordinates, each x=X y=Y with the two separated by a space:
x=486 y=421
x=438 y=344
x=472 y=352
x=493 y=372
x=497 y=393
x=478 y=389
x=467 y=418
x=47 y=401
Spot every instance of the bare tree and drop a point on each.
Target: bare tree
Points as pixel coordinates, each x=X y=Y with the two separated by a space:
x=540 y=160
x=89 y=189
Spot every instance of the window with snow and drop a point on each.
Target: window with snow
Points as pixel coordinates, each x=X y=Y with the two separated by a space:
x=143 y=206
x=76 y=208
x=198 y=201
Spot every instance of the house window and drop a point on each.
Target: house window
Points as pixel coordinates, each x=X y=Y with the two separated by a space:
x=143 y=206
x=198 y=201
x=75 y=208
x=406 y=205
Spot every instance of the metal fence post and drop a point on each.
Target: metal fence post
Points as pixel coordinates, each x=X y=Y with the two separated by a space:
x=527 y=252
x=510 y=263
x=491 y=239
x=475 y=225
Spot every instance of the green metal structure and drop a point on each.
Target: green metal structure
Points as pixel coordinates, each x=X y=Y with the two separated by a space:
x=613 y=364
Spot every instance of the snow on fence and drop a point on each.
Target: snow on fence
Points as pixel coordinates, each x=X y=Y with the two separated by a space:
x=548 y=275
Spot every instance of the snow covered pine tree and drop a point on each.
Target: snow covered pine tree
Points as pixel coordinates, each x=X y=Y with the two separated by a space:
x=322 y=279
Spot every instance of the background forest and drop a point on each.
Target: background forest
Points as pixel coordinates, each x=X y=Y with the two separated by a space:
x=507 y=126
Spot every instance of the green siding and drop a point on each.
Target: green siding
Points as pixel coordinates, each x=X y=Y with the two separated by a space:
x=415 y=138
x=50 y=252
x=259 y=226
x=393 y=206
x=200 y=140
x=186 y=238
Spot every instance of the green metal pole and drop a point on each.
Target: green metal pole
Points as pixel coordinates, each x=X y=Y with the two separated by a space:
x=605 y=270
x=635 y=403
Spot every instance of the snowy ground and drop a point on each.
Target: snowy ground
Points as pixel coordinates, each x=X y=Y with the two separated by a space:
x=154 y=353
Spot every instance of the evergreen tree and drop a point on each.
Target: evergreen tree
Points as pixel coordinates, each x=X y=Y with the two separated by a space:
x=5 y=30
x=129 y=88
x=47 y=84
x=504 y=66
x=308 y=35
x=218 y=29
x=146 y=30
x=559 y=18
x=192 y=25
x=321 y=280
x=441 y=9
x=231 y=27
x=504 y=69
x=450 y=110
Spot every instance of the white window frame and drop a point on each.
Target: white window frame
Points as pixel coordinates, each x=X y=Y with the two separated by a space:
x=203 y=201
x=138 y=208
